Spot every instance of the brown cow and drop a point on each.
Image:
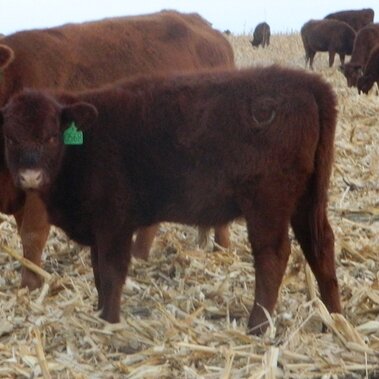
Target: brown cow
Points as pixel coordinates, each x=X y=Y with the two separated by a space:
x=200 y=149
x=371 y=72
x=261 y=35
x=79 y=56
x=365 y=40
x=357 y=19
x=332 y=36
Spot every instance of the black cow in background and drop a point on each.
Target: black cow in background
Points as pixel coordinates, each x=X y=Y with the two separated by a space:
x=261 y=35
x=357 y=19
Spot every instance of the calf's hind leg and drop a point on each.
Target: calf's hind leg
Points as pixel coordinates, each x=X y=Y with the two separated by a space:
x=271 y=249
x=319 y=252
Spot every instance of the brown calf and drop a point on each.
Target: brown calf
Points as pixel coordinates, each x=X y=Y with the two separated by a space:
x=365 y=40
x=199 y=149
x=370 y=73
x=357 y=19
x=79 y=56
x=332 y=36
x=261 y=35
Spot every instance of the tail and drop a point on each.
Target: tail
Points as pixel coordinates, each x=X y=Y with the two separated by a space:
x=319 y=183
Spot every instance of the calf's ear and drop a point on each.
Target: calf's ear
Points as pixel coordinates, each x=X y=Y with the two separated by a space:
x=6 y=56
x=83 y=114
x=1 y=130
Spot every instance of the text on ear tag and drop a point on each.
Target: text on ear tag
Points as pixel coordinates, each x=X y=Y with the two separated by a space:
x=73 y=136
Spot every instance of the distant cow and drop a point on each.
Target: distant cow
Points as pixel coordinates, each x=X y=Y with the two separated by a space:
x=261 y=35
x=370 y=73
x=357 y=19
x=79 y=56
x=332 y=36
x=200 y=149
x=365 y=40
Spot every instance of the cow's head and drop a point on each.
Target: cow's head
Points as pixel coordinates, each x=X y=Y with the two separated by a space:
x=352 y=72
x=365 y=83
x=33 y=124
x=254 y=42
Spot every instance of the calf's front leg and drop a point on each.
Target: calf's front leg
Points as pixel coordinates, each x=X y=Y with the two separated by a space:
x=33 y=227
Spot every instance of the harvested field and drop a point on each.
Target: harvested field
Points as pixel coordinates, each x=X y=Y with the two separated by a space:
x=185 y=310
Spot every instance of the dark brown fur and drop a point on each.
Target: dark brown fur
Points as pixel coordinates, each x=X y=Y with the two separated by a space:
x=371 y=72
x=365 y=40
x=357 y=19
x=199 y=149
x=261 y=35
x=80 y=56
x=332 y=36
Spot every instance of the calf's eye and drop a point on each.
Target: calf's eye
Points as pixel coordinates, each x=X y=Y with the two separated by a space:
x=52 y=140
x=11 y=141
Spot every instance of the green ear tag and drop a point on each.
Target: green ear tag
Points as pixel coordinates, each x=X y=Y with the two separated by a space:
x=73 y=136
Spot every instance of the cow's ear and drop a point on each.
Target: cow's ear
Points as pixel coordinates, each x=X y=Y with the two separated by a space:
x=83 y=114
x=6 y=56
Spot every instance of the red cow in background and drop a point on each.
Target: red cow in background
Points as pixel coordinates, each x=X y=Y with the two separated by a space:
x=371 y=72
x=327 y=35
x=366 y=39
x=357 y=19
x=80 y=56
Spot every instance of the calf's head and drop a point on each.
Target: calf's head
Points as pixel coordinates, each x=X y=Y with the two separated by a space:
x=33 y=124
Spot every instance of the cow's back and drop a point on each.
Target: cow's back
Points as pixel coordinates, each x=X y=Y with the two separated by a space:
x=80 y=56
x=319 y=35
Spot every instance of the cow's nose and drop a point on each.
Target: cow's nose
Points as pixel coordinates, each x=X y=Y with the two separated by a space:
x=30 y=179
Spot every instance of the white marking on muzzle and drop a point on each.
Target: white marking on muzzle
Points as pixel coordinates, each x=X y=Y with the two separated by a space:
x=30 y=179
